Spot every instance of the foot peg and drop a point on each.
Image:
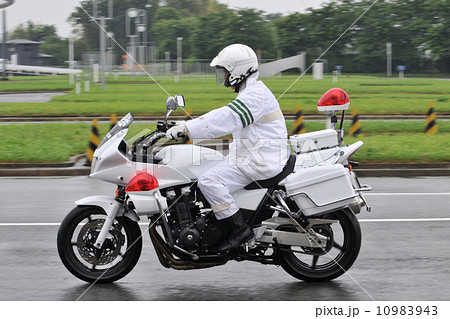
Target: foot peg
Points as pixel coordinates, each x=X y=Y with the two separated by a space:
x=249 y=245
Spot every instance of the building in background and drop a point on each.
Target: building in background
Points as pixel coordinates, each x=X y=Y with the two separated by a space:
x=26 y=52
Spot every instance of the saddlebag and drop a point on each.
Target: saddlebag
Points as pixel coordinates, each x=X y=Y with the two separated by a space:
x=313 y=141
x=320 y=189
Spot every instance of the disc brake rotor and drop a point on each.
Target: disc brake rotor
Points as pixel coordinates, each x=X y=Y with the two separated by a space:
x=111 y=246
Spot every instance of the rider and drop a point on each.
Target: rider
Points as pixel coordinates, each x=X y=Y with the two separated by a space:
x=259 y=149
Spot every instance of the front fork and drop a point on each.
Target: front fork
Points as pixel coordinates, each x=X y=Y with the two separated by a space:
x=117 y=206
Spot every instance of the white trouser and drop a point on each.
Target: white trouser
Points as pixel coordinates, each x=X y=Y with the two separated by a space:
x=218 y=183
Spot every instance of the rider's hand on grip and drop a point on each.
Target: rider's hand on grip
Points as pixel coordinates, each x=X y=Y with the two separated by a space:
x=176 y=132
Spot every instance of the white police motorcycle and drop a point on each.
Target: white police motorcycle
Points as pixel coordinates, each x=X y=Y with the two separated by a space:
x=304 y=219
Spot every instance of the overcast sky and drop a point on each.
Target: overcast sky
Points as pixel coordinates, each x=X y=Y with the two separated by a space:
x=56 y=12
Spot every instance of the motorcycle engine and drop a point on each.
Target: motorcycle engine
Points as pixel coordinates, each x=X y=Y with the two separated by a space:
x=191 y=228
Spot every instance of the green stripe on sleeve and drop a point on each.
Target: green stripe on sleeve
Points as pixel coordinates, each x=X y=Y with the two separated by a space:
x=248 y=111
x=238 y=113
x=244 y=112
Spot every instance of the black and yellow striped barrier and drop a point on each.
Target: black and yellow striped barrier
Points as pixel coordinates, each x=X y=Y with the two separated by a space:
x=186 y=139
x=94 y=141
x=355 y=129
x=431 y=126
x=299 y=126
x=113 y=120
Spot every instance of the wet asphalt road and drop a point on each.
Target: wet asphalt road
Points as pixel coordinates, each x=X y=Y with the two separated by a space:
x=399 y=260
x=28 y=97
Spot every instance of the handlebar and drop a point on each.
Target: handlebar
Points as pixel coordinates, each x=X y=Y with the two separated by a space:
x=153 y=139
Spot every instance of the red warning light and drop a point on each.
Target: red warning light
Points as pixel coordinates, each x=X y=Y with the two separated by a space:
x=334 y=100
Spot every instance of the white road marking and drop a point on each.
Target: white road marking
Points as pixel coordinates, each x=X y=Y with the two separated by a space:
x=30 y=224
x=406 y=194
x=405 y=220
x=360 y=220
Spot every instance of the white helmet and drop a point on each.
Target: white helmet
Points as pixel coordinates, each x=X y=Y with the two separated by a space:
x=238 y=60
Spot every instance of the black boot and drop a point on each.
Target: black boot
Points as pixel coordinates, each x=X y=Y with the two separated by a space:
x=240 y=232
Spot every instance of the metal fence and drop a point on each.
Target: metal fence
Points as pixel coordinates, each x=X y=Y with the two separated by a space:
x=196 y=68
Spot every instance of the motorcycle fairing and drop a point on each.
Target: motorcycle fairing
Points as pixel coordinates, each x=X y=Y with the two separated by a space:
x=112 y=165
x=190 y=159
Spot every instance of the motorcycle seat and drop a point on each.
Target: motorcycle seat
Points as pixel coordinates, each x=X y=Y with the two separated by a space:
x=273 y=181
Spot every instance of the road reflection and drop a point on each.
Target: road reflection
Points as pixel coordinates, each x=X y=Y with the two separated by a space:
x=299 y=291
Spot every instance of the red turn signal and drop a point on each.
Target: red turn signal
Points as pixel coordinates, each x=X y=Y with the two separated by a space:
x=142 y=182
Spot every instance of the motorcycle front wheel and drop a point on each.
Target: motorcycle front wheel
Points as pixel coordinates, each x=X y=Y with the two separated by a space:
x=317 y=264
x=114 y=260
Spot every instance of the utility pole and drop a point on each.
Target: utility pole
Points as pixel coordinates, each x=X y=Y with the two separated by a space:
x=71 y=60
x=102 y=51
x=6 y=3
x=389 y=58
x=179 y=58
x=4 y=77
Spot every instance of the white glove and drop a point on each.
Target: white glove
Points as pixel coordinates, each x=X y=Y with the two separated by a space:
x=172 y=133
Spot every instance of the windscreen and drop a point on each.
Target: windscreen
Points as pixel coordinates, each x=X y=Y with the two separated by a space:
x=122 y=124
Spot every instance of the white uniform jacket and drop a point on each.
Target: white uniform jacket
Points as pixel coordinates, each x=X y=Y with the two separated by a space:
x=260 y=148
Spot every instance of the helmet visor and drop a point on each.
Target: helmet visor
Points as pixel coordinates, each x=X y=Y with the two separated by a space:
x=221 y=75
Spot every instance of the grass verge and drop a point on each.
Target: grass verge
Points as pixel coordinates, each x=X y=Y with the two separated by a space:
x=383 y=141
x=368 y=94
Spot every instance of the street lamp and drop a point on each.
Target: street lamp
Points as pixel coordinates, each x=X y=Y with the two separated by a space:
x=131 y=14
x=141 y=30
x=102 y=35
x=137 y=34
x=150 y=48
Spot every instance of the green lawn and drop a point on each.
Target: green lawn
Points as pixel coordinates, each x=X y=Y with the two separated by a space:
x=383 y=141
x=388 y=141
x=368 y=94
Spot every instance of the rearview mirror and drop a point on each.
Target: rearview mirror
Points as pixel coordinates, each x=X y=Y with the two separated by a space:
x=171 y=104
x=179 y=99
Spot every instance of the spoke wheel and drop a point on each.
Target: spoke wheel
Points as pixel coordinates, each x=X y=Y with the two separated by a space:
x=114 y=260
x=341 y=251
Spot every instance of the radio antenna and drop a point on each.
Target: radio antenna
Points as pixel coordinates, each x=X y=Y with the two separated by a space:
x=343 y=112
x=341 y=132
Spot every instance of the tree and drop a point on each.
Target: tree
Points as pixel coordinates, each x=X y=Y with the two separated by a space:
x=33 y=32
x=438 y=35
x=417 y=30
x=210 y=34
x=51 y=43
x=189 y=8
x=57 y=47
x=168 y=30
x=89 y=30
x=217 y=30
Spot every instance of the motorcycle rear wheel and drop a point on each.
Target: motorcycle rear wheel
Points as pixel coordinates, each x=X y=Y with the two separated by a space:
x=317 y=265
x=117 y=257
